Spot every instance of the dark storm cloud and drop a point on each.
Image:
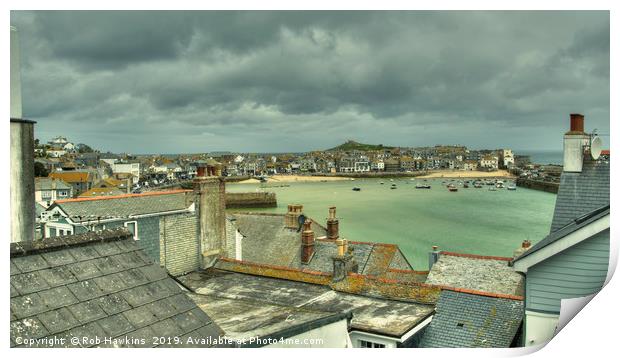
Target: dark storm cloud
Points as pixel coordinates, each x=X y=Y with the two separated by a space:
x=266 y=81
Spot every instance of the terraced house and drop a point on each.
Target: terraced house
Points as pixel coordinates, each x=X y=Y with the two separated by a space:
x=572 y=261
x=154 y=219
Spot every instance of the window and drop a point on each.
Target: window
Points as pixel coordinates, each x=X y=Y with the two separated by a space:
x=132 y=226
x=63 y=193
x=53 y=232
x=368 y=344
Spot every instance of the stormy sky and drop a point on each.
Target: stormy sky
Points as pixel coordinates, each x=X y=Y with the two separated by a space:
x=200 y=81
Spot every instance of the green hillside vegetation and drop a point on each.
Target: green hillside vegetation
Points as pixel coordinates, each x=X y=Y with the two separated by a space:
x=353 y=145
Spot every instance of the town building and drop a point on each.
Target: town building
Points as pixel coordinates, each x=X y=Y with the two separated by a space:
x=48 y=190
x=489 y=162
x=80 y=181
x=572 y=261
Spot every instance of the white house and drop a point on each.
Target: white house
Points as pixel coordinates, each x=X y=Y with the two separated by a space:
x=489 y=162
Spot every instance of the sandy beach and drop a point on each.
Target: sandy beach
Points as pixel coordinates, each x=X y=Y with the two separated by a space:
x=293 y=179
x=467 y=174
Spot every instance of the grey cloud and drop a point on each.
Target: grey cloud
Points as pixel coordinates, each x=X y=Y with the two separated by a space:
x=404 y=78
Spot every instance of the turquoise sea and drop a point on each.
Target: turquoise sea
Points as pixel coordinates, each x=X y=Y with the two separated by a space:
x=476 y=221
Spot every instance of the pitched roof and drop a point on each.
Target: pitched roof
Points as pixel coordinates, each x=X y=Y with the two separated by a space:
x=571 y=227
x=105 y=191
x=123 y=206
x=48 y=183
x=479 y=273
x=581 y=193
x=473 y=321
x=99 y=284
x=300 y=300
x=267 y=241
x=71 y=176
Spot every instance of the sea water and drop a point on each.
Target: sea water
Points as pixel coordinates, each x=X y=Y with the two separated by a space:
x=476 y=221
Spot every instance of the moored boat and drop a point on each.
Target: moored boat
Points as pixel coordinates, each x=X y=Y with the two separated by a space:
x=422 y=186
x=357 y=189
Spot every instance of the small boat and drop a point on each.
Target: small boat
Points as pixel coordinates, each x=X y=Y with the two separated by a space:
x=492 y=189
x=357 y=189
x=381 y=183
x=421 y=186
x=352 y=179
x=393 y=186
x=511 y=187
x=453 y=188
x=465 y=185
x=477 y=185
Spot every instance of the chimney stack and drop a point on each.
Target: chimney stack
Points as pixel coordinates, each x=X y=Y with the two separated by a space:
x=332 y=224
x=343 y=261
x=433 y=257
x=525 y=245
x=574 y=142
x=292 y=215
x=22 y=201
x=210 y=190
x=307 y=242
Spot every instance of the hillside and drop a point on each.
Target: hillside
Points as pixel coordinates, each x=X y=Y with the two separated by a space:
x=353 y=145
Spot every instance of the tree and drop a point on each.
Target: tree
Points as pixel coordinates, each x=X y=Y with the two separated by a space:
x=39 y=170
x=83 y=148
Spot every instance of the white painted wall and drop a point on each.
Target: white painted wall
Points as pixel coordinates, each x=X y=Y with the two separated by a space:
x=333 y=335
x=357 y=337
x=539 y=327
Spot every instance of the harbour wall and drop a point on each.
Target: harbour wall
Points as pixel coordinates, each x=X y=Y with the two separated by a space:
x=538 y=185
x=251 y=200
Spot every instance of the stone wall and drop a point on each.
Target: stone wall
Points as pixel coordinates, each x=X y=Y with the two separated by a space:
x=539 y=185
x=251 y=200
x=179 y=243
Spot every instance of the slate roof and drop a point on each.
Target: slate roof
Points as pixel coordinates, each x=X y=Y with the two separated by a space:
x=123 y=206
x=267 y=241
x=303 y=300
x=43 y=183
x=477 y=273
x=581 y=193
x=465 y=320
x=571 y=227
x=97 y=285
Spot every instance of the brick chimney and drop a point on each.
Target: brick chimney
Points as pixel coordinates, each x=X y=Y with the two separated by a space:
x=332 y=224
x=433 y=257
x=574 y=141
x=210 y=191
x=292 y=215
x=307 y=242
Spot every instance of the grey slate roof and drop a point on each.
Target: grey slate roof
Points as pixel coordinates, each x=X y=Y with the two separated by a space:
x=472 y=321
x=97 y=285
x=305 y=300
x=487 y=275
x=571 y=227
x=134 y=204
x=50 y=184
x=267 y=241
x=581 y=193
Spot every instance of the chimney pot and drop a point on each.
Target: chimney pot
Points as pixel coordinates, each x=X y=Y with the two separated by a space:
x=576 y=122
x=332 y=224
x=307 y=242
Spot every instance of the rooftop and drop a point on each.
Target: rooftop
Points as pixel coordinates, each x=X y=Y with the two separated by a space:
x=477 y=273
x=581 y=193
x=43 y=183
x=99 y=284
x=304 y=301
x=71 y=176
x=465 y=320
x=126 y=205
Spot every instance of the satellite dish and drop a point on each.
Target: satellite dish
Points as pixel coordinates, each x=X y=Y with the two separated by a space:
x=596 y=146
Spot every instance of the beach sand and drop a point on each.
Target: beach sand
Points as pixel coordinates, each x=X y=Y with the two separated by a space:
x=467 y=174
x=293 y=178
